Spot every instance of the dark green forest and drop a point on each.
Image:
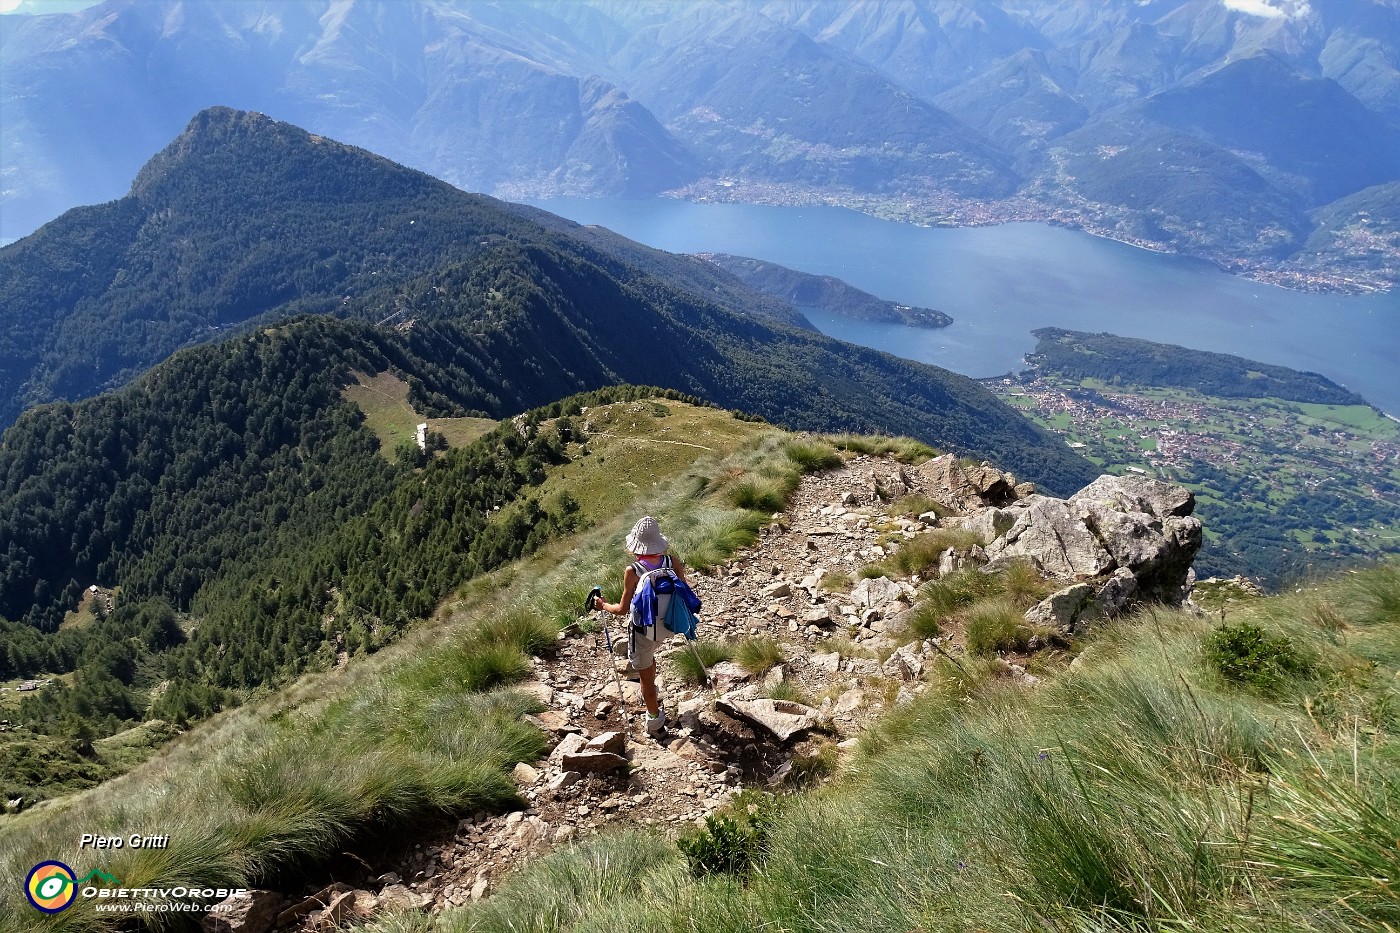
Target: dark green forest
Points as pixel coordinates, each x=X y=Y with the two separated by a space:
x=1112 y=359
x=234 y=486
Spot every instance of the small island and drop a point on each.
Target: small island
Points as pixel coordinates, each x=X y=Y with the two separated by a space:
x=823 y=292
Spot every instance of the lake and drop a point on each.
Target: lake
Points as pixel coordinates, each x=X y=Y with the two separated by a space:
x=1000 y=283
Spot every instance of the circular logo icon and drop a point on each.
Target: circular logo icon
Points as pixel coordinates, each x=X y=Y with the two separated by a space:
x=51 y=887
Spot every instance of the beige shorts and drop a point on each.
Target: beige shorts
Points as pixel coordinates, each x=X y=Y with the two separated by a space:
x=642 y=644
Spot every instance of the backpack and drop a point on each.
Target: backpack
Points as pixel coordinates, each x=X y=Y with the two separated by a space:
x=656 y=589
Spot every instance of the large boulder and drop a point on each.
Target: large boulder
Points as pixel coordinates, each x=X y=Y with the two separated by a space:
x=875 y=593
x=1116 y=523
x=1116 y=593
x=1061 y=611
x=782 y=718
x=1135 y=493
x=1147 y=525
x=245 y=912
x=967 y=488
x=1052 y=536
x=989 y=523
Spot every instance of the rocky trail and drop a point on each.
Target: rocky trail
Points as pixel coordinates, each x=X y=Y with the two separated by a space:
x=844 y=653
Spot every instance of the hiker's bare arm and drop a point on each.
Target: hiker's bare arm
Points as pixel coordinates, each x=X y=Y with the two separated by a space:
x=629 y=587
x=679 y=568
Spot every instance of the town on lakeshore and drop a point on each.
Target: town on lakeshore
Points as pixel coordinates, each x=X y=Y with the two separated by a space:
x=1374 y=258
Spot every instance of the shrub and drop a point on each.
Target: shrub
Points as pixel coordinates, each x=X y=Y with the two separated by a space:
x=757 y=655
x=1245 y=654
x=729 y=844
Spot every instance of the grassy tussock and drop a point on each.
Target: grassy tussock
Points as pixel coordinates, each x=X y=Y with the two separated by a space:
x=812 y=456
x=915 y=504
x=1141 y=792
x=996 y=624
x=686 y=662
x=789 y=692
x=921 y=553
x=758 y=654
x=903 y=449
x=990 y=606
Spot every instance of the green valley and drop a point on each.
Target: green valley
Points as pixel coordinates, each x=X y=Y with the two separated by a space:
x=1287 y=486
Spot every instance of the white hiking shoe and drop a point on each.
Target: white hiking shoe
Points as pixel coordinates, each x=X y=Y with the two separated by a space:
x=656 y=724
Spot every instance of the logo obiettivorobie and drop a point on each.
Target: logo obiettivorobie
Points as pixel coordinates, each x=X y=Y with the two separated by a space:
x=51 y=887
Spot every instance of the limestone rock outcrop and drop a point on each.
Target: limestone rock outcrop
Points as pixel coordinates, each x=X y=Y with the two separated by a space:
x=1117 y=524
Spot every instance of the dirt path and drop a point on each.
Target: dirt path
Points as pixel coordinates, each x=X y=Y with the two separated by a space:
x=782 y=588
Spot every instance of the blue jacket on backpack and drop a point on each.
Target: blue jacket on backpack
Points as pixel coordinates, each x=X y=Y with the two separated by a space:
x=652 y=584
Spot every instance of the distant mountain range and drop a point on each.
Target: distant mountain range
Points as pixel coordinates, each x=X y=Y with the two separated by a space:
x=1230 y=129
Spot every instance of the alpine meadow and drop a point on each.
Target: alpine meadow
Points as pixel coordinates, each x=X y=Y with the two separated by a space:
x=353 y=514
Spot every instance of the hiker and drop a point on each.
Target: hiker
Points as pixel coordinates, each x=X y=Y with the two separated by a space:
x=649 y=547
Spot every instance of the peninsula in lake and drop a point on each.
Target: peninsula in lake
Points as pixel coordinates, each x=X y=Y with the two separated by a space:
x=824 y=292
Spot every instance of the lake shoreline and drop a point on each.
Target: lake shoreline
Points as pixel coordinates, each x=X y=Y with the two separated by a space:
x=940 y=209
x=1001 y=282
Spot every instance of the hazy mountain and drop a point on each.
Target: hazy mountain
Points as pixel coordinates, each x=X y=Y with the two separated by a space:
x=1308 y=136
x=472 y=94
x=755 y=98
x=1018 y=103
x=1167 y=186
x=245 y=219
x=888 y=101
x=928 y=46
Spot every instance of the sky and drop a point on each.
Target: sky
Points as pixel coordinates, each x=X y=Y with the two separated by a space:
x=44 y=6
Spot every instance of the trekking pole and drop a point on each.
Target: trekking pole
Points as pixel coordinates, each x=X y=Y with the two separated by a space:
x=593 y=596
x=703 y=669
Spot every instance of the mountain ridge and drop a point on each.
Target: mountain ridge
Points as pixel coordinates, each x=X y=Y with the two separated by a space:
x=936 y=111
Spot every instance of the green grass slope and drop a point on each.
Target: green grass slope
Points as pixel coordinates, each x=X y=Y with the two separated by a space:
x=1185 y=774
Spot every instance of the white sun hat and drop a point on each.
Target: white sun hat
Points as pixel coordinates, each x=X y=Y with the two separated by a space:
x=646 y=538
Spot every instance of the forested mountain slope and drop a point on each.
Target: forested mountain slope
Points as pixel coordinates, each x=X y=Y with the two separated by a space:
x=244 y=218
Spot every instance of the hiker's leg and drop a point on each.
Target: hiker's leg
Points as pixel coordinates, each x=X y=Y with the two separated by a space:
x=648 y=682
